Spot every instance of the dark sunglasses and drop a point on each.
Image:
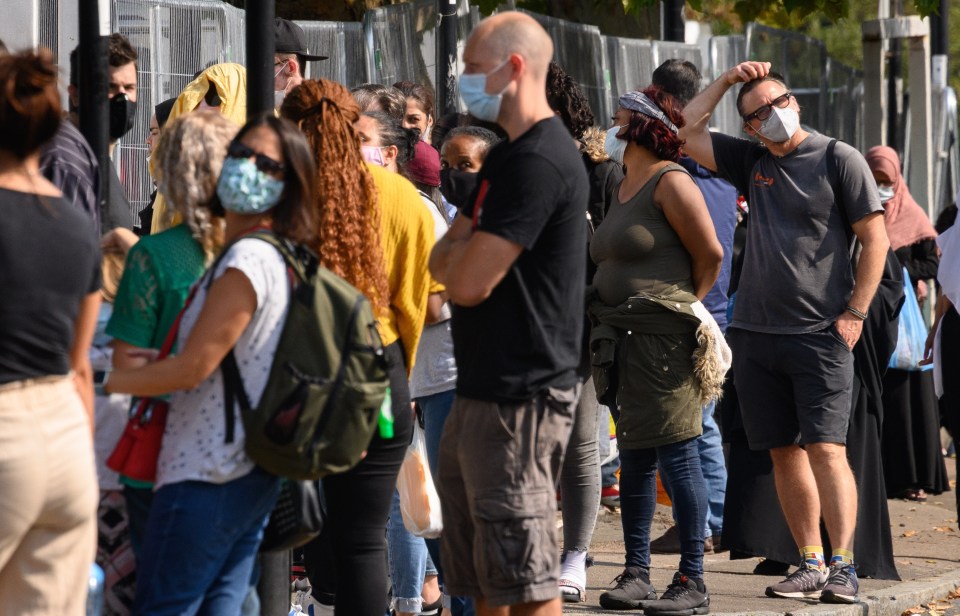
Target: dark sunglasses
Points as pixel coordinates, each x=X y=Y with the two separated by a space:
x=764 y=112
x=264 y=163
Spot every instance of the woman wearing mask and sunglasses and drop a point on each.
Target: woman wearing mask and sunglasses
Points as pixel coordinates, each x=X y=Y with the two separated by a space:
x=211 y=500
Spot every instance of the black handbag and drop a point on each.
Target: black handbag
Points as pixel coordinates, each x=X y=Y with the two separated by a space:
x=297 y=518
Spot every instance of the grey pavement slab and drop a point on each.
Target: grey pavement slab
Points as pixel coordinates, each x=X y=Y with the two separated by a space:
x=926 y=550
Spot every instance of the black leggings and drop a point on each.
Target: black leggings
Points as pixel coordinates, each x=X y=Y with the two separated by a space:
x=348 y=560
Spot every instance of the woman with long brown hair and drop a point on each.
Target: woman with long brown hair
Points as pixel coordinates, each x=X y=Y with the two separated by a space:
x=48 y=313
x=375 y=233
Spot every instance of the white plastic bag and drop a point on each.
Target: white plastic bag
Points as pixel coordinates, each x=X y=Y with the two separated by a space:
x=419 y=502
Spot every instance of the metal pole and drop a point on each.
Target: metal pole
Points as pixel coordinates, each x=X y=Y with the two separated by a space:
x=939 y=31
x=447 y=55
x=260 y=52
x=672 y=26
x=93 y=86
x=274 y=586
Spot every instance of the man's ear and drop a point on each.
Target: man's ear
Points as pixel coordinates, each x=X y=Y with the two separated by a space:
x=74 y=96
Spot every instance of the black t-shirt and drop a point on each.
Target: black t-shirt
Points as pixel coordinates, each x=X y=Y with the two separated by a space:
x=49 y=261
x=525 y=337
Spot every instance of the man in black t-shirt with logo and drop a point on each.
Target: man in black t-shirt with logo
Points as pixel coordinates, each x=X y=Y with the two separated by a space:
x=513 y=265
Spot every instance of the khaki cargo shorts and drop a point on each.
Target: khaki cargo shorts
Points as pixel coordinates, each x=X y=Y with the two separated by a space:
x=497 y=482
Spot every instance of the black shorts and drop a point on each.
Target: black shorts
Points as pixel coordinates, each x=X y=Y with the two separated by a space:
x=793 y=388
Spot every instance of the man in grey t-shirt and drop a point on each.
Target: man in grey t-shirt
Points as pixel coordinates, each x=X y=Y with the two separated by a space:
x=799 y=309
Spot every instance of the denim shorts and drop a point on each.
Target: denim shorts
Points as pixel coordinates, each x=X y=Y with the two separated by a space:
x=497 y=482
x=794 y=389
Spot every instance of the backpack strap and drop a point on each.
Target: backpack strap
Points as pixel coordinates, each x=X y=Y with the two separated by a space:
x=233 y=390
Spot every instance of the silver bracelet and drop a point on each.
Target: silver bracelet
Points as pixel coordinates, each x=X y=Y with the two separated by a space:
x=860 y=315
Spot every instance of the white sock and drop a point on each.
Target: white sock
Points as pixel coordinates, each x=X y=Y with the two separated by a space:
x=574 y=567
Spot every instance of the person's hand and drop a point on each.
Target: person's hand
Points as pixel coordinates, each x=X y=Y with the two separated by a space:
x=850 y=328
x=928 y=348
x=747 y=71
x=119 y=239
x=922 y=292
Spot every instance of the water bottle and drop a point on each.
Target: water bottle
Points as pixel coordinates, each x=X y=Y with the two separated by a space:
x=95 y=592
x=385 y=419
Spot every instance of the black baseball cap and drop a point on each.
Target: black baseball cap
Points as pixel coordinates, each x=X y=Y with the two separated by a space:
x=289 y=38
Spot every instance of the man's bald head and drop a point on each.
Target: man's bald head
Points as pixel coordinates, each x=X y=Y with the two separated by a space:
x=513 y=32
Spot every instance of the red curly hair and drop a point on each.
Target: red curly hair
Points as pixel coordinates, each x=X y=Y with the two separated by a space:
x=653 y=134
x=346 y=199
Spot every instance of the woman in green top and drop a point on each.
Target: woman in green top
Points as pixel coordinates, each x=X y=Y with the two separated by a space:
x=657 y=255
x=161 y=268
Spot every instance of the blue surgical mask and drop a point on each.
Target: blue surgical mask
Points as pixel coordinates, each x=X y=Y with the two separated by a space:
x=244 y=189
x=481 y=105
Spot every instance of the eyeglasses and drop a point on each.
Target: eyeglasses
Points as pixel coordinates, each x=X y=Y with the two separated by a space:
x=264 y=163
x=764 y=112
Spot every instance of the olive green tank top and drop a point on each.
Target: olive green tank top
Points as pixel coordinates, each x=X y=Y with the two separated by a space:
x=636 y=250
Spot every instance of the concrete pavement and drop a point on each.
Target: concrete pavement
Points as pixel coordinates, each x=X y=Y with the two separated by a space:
x=926 y=545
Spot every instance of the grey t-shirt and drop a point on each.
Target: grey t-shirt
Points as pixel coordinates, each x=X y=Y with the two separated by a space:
x=797 y=275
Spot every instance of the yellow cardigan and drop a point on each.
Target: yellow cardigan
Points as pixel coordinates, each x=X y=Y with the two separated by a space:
x=406 y=236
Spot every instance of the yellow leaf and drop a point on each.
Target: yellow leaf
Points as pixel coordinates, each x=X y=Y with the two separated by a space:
x=909 y=533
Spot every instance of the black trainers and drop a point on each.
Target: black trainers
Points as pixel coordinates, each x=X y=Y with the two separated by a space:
x=842 y=585
x=633 y=590
x=804 y=583
x=684 y=597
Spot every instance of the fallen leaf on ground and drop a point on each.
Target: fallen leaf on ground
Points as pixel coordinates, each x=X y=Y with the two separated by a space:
x=943 y=529
x=932 y=562
x=914 y=610
x=909 y=533
x=955 y=594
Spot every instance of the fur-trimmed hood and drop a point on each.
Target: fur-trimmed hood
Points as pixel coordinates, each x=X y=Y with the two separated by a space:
x=592 y=145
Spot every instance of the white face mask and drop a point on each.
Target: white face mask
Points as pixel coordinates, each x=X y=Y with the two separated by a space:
x=614 y=146
x=781 y=125
x=886 y=193
x=279 y=95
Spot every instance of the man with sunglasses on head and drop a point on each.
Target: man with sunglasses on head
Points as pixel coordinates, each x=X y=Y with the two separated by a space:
x=800 y=308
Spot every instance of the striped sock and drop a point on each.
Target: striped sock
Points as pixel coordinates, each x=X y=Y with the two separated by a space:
x=842 y=556
x=813 y=557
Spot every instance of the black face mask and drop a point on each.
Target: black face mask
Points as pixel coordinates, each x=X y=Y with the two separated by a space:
x=122 y=113
x=456 y=186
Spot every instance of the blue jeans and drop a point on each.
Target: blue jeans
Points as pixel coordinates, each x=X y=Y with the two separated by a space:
x=638 y=500
x=436 y=409
x=409 y=561
x=714 y=472
x=200 y=545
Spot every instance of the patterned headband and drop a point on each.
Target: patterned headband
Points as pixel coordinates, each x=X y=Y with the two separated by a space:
x=640 y=102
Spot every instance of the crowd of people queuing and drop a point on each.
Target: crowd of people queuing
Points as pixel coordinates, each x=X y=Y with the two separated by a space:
x=533 y=272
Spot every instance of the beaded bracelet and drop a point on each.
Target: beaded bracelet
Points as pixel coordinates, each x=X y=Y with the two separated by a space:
x=860 y=315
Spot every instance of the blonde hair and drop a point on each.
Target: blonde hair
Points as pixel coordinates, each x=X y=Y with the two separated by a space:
x=111 y=270
x=189 y=156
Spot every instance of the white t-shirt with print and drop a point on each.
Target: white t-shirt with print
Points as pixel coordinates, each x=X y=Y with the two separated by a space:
x=193 y=442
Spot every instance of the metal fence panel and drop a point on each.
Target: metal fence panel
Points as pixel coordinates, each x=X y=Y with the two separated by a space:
x=394 y=43
x=726 y=52
x=631 y=64
x=343 y=44
x=844 y=96
x=174 y=40
x=664 y=50
x=578 y=48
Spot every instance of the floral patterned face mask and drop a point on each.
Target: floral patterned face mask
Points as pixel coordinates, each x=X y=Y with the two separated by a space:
x=245 y=189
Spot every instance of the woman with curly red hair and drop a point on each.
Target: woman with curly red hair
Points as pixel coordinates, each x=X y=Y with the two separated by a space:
x=657 y=255
x=375 y=233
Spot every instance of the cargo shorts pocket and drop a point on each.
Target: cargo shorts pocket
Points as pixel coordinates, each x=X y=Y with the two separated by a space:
x=515 y=538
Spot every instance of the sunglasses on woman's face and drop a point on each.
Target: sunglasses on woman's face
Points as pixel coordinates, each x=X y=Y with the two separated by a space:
x=764 y=112
x=264 y=163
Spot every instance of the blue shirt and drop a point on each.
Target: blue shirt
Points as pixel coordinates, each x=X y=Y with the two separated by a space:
x=721 y=198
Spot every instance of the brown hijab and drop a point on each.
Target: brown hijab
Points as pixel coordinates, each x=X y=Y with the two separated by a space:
x=905 y=220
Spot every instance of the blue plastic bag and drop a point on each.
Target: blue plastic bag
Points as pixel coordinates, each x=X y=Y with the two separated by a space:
x=912 y=332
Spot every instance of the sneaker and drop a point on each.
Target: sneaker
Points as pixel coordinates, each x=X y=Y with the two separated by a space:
x=633 y=590
x=610 y=496
x=806 y=583
x=842 y=585
x=684 y=597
